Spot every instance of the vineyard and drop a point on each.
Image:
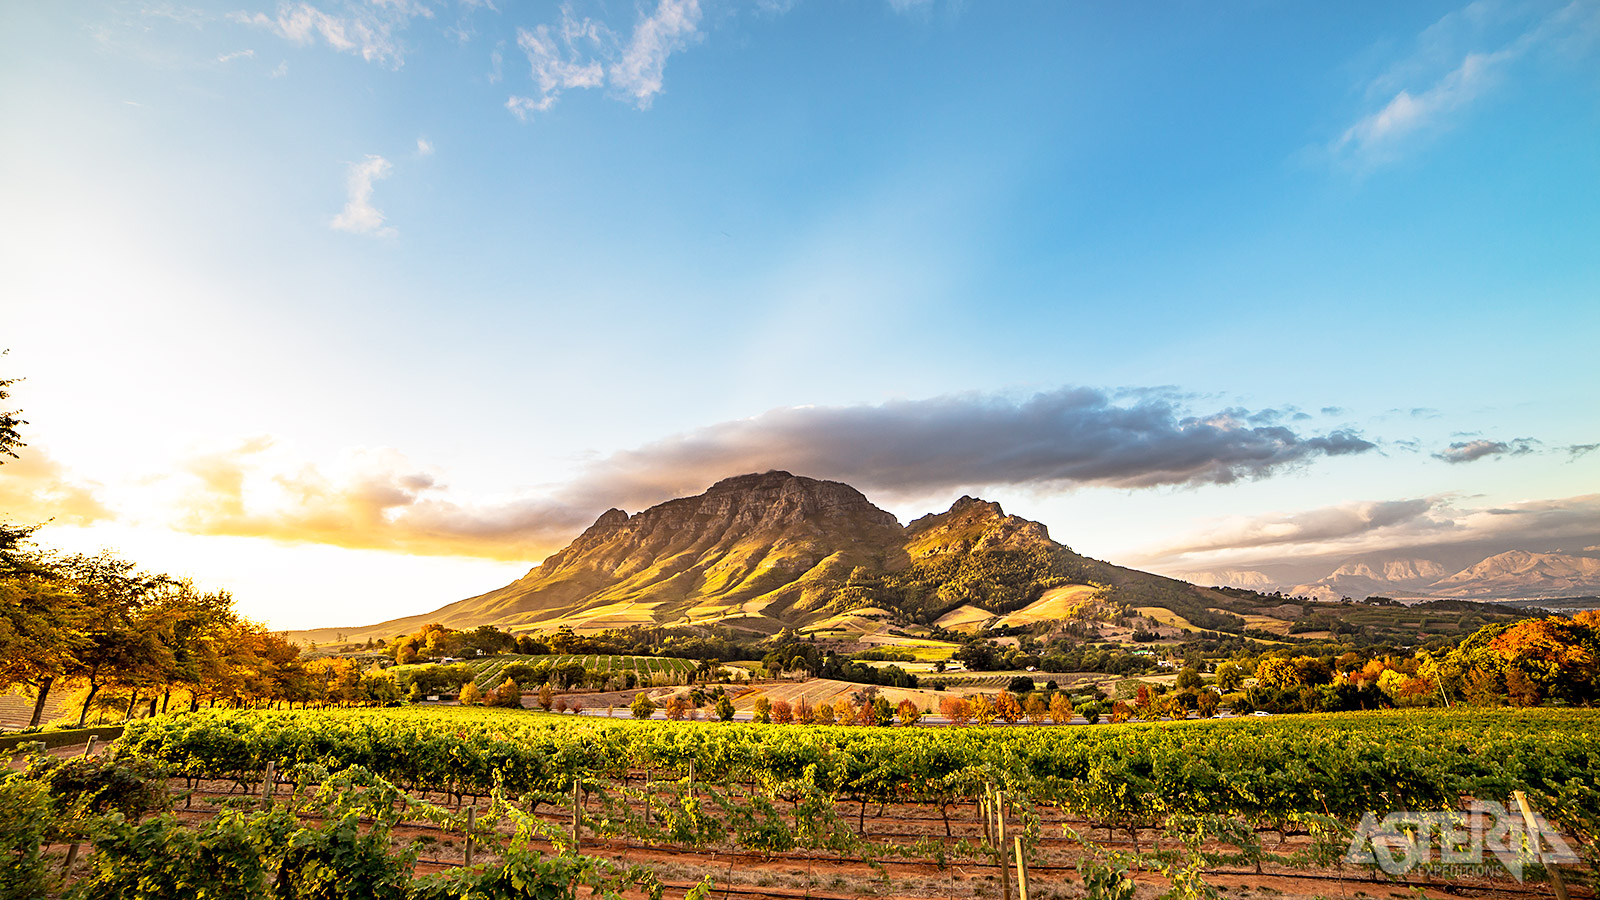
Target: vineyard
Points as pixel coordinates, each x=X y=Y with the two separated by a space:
x=648 y=669
x=1199 y=797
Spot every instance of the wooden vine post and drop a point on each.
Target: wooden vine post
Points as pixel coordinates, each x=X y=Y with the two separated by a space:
x=1536 y=844
x=72 y=849
x=1000 y=844
x=472 y=823
x=269 y=781
x=577 y=812
x=1022 y=871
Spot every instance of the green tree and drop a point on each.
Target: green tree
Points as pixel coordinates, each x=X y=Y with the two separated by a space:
x=642 y=707
x=10 y=439
x=724 y=709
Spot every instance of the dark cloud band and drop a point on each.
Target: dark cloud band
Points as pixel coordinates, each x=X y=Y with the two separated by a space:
x=902 y=449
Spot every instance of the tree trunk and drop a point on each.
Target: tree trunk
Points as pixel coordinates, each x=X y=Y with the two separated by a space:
x=166 y=695
x=38 y=705
x=94 y=688
x=133 y=700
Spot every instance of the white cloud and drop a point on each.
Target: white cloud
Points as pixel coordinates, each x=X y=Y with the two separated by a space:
x=639 y=73
x=1349 y=529
x=582 y=53
x=561 y=58
x=424 y=147
x=237 y=54
x=1455 y=62
x=1406 y=113
x=359 y=216
x=280 y=70
x=369 y=30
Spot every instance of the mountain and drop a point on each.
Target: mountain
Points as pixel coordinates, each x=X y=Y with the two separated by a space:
x=1405 y=577
x=766 y=551
x=1520 y=574
x=1513 y=575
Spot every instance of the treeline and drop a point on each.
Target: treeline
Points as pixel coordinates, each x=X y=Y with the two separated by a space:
x=435 y=641
x=1062 y=655
x=98 y=626
x=799 y=656
x=1530 y=662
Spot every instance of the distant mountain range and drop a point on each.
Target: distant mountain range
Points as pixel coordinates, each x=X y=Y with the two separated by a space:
x=1513 y=575
x=767 y=551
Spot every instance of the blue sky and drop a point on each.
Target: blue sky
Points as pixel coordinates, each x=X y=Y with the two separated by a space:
x=360 y=307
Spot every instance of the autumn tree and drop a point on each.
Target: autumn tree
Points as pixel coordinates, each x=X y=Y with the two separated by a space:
x=42 y=618
x=908 y=712
x=763 y=710
x=1061 y=711
x=1277 y=672
x=1007 y=707
x=955 y=710
x=782 y=712
x=982 y=709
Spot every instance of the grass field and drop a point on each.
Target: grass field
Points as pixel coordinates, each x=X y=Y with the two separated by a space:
x=1166 y=617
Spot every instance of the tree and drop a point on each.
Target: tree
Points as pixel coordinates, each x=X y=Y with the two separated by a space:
x=470 y=695
x=1206 y=703
x=823 y=715
x=121 y=643
x=508 y=694
x=982 y=709
x=882 y=712
x=763 y=710
x=782 y=712
x=1189 y=679
x=677 y=705
x=42 y=618
x=1037 y=709
x=10 y=439
x=642 y=707
x=803 y=713
x=1061 y=711
x=1008 y=708
x=546 y=696
x=1229 y=678
x=908 y=713
x=955 y=710
x=724 y=709
x=1277 y=672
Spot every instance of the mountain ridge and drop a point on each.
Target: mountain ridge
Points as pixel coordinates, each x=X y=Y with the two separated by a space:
x=768 y=551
